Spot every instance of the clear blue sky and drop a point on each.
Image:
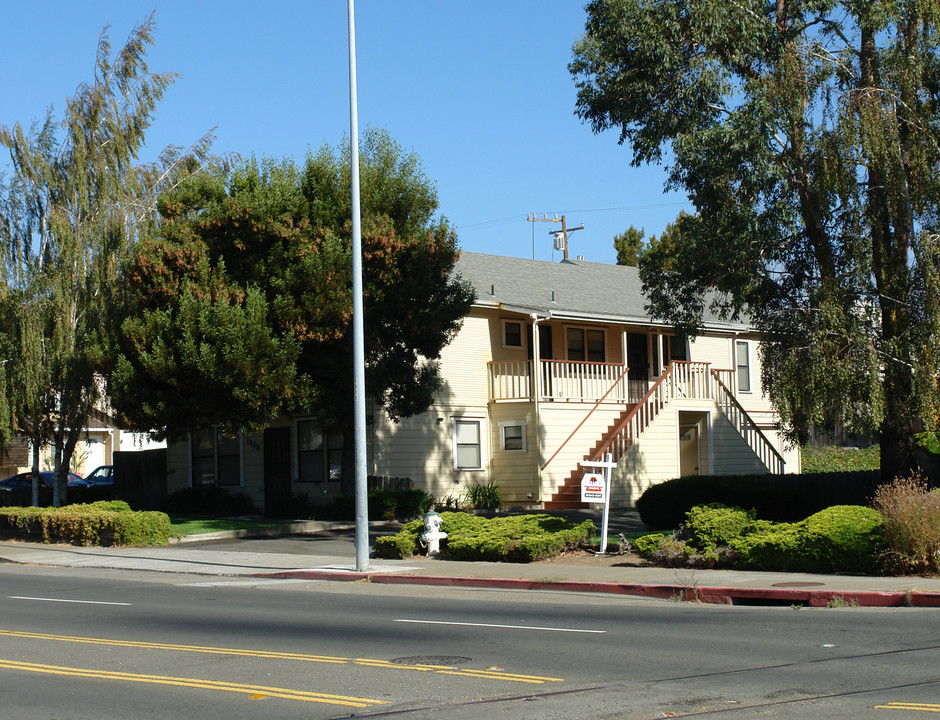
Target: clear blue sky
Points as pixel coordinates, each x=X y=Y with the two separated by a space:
x=479 y=90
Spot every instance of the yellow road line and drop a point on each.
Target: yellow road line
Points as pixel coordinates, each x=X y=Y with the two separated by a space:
x=284 y=693
x=506 y=676
x=273 y=655
x=181 y=648
x=922 y=707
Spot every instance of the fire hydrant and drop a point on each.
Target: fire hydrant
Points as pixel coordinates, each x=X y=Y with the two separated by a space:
x=432 y=534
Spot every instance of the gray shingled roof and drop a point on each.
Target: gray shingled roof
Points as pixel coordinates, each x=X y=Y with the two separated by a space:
x=571 y=289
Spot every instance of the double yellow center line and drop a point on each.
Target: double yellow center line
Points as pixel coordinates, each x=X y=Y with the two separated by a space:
x=254 y=691
x=257 y=691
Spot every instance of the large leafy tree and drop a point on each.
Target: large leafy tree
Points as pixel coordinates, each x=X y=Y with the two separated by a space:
x=74 y=202
x=807 y=136
x=266 y=249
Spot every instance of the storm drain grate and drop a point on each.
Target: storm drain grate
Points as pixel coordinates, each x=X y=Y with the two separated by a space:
x=431 y=660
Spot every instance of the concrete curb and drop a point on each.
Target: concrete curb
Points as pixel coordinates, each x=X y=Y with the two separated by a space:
x=713 y=595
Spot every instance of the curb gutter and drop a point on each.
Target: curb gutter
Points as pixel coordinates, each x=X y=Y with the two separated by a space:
x=712 y=595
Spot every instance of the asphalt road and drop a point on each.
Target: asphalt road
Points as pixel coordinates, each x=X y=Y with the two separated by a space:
x=77 y=644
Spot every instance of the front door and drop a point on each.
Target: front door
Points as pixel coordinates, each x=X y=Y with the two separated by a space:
x=545 y=353
x=276 y=471
x=639 y=364
x=689 y=450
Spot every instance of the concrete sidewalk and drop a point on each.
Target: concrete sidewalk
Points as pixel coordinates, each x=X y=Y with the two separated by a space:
x=326 y=552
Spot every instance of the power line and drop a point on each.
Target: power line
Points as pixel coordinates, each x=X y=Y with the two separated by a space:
x=516 y=218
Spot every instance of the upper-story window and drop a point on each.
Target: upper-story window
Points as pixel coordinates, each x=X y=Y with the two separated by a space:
x=586 y=344
x=742 y=363
x=513 y=334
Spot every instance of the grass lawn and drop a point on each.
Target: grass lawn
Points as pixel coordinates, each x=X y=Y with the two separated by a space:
x=189 y=525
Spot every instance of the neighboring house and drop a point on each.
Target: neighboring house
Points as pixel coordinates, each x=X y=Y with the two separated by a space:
x=554 y=363
x=100 y=439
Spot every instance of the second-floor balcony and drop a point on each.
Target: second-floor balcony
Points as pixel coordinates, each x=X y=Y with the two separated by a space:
x=564 y=380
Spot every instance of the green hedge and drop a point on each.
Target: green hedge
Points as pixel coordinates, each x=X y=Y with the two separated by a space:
x=842 y=538
x=109 y=522
x=518 y=538
x=664 y=505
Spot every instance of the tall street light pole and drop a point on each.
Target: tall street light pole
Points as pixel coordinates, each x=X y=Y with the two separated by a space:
x=359 y=362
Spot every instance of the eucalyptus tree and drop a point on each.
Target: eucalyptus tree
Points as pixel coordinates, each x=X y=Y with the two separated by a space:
x=807 y=135
x=76 y=198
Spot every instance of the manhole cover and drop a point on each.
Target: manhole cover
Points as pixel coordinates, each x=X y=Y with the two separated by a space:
x=432 y=660
x=798 y=584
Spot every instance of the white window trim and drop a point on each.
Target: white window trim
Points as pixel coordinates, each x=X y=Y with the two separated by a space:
x=586 y=328
x=480 y=421
x=750 y=365
x=522 y=333
x=514 y=423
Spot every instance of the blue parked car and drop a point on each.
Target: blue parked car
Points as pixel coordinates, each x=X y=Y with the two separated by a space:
x=101 y=475
x=25 y=480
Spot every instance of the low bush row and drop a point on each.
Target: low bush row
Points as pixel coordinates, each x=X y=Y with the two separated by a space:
x=520 y=538
x=109 y=522
x=842 y=538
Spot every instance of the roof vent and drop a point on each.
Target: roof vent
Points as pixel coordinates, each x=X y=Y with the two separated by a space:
x=493 y=290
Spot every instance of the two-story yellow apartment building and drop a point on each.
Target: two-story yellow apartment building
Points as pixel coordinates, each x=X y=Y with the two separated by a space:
x=555 y=363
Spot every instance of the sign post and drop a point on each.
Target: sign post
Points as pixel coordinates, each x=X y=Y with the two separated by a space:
x=595 y=487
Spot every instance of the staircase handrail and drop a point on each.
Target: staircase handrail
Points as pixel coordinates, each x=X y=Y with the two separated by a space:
x=616 y=382
x=770 y=453
x=632 y=415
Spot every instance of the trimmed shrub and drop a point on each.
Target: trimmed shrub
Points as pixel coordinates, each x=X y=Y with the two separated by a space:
x=911 y=515
x=88 y=525
x=665 y=504
x=521 y=538
x=402 y=544
x=772 y=548
x=846 y=538
x=716 y=525
x=843 y=538
x=646 y=545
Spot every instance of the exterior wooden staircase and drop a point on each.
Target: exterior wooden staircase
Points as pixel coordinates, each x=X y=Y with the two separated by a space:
x=568 y=494
x=679 y=380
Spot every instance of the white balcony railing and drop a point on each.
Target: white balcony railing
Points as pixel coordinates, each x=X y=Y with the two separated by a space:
x=563 y=380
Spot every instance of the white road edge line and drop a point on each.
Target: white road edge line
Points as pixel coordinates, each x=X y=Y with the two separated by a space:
x=504 y=627
x=62 y=600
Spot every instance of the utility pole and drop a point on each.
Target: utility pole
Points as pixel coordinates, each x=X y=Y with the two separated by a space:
x=561 y=236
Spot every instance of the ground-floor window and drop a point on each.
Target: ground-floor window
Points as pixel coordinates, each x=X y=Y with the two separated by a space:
x=512 y=435
x=216 y=459
x=468 y=443
x=319 y=454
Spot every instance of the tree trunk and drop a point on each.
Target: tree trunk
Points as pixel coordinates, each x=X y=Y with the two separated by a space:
x=36 y=449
